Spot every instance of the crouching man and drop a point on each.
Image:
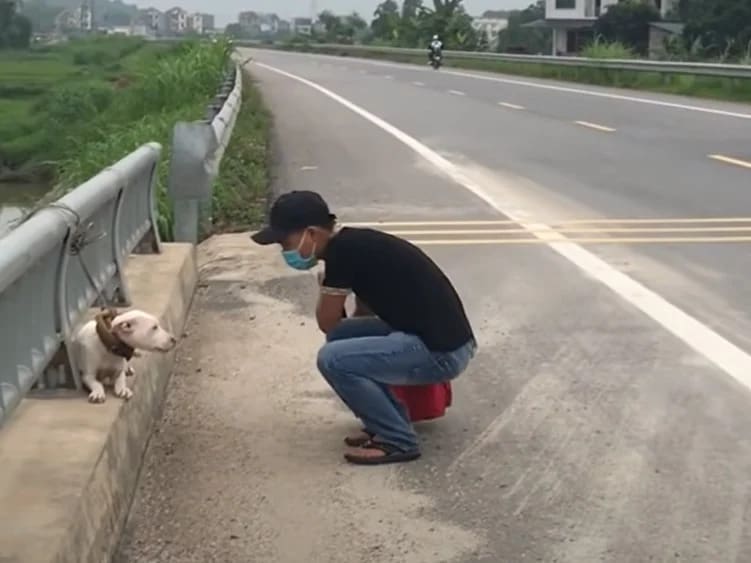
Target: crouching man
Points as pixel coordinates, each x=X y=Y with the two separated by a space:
x=419 y=335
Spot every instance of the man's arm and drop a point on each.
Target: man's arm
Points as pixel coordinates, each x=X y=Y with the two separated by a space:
x=330 y=309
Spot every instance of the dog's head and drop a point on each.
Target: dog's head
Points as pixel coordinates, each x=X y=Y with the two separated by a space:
x=142 y=331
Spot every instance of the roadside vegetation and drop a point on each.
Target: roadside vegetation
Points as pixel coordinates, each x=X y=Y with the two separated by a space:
x=240 y=193
x=71 y=111
x=46 y=92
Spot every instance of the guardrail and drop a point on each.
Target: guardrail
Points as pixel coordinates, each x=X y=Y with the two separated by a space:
x=69 y=256
x=197 y=150
x=64 y=259
x=636 y=65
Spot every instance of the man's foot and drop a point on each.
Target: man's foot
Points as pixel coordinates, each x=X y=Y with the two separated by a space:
x=378 y=453
x=359 y=439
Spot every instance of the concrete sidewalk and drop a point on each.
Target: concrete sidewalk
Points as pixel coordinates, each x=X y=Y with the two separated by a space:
x=246 y=465
x=69 y=468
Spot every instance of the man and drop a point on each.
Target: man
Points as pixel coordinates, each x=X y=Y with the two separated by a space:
x=419 y=335
x=435 y=47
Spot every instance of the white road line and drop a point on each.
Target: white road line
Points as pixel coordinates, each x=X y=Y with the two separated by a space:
x=457 y=93
x=729 y=160
x=595 y=126
x=510 y=106
x=417 y=83
x=556 y=88
x=388 y=77
x=728 y=357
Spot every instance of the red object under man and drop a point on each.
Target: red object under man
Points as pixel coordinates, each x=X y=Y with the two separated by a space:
x=424 y=402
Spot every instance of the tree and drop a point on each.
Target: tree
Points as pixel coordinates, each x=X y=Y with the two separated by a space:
x=517 y=38
x=386 y=20
x=409 y=25
x=628 y=22
x=15 y=29
x=722 y=27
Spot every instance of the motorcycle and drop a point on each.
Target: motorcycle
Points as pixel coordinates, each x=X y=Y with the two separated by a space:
x=436 y=59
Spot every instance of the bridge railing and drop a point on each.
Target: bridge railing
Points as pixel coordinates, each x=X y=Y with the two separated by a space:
x=737 y=71
x=65 y=258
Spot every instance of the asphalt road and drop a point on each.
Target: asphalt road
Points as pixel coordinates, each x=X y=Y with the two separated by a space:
x=606 y=417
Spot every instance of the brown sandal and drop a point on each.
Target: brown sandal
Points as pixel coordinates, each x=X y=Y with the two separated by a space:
x=391 y=454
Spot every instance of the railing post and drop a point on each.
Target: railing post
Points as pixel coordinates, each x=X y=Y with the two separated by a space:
x=197 y=149
x=190 y=178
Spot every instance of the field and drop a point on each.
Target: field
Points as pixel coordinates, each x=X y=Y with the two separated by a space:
x=37 y=87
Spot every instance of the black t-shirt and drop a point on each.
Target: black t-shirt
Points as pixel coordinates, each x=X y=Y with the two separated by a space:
x=400 y=284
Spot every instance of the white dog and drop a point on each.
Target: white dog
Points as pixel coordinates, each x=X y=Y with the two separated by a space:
x=104 y=346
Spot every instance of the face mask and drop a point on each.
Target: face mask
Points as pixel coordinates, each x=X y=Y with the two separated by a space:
x=295 y=260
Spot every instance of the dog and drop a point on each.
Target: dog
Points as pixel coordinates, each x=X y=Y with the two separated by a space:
x=104 y=347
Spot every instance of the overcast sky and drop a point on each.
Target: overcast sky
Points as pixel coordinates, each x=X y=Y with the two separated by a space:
x=226 y=10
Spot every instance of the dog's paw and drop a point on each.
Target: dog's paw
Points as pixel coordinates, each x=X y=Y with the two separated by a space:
x=129 y=371
x=124 y=393
x=97 y=396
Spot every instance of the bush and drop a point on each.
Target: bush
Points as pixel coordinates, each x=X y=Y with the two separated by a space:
x=600 y=49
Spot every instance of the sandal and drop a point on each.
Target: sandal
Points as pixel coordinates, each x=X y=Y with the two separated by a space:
x=391 y=453
x=359 y=440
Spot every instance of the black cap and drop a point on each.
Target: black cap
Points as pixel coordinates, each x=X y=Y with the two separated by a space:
x=293 y=212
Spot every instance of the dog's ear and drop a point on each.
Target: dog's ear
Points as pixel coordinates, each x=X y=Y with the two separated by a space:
x=122 y=327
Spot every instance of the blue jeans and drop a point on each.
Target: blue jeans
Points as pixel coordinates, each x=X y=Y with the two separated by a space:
x=363 y=356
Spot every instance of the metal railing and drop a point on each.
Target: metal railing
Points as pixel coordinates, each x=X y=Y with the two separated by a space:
x=635 y=65
x=62 y=260
x=197 y=151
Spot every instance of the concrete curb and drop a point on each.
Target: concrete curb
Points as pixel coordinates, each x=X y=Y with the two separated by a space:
x=72 y=468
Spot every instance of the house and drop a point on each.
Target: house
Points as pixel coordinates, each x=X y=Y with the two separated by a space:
x=200 y=23
x=302 y=26
x=79 y=19
x=490 y=28
x=572 y=20
x=177 y=20
x=153 y=19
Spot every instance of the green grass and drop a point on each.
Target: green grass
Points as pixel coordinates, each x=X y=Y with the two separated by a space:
x=242 y=187
x=738 y=90
x=171 y=88
x=46 y=89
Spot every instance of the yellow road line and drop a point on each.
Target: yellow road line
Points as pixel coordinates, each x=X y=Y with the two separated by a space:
x=729 y=160
x=510 y=106
x=595 y=126
x=450 y=232
x=563 y=240
x=666 y=221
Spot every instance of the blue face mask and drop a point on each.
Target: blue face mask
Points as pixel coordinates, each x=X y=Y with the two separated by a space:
x=295 y=260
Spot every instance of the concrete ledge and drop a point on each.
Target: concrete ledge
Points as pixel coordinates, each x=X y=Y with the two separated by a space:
x=68 y=469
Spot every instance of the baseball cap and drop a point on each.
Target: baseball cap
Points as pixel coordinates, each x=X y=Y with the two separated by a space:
x=293 y=212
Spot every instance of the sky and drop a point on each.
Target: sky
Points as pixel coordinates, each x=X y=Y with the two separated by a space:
x=226 y=10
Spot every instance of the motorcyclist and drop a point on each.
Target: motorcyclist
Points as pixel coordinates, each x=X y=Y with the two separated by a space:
x=435 y=47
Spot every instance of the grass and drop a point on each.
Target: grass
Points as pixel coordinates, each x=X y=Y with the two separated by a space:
x=172 y=88
x=46 y=89
x=738 y=90
x=242 y=187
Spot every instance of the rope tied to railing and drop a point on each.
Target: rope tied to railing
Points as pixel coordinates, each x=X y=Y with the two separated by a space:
x=81 y=238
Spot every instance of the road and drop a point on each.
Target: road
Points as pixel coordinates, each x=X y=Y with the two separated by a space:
x=606 y=415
